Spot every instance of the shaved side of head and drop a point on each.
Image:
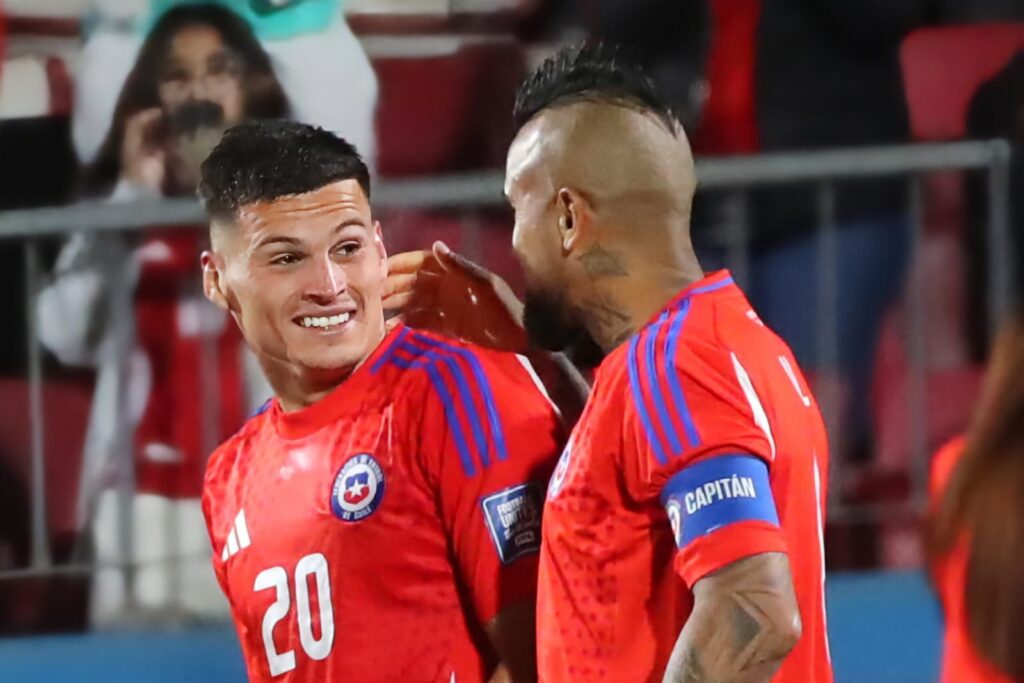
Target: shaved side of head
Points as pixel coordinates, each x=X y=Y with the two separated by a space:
x=602 y=180
x=633 y=170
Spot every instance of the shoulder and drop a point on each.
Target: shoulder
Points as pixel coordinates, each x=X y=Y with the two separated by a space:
x=677 y=348
x=224 y=459
x=454 y=369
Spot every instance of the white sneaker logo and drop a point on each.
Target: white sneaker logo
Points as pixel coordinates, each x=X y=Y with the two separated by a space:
x=238 y=538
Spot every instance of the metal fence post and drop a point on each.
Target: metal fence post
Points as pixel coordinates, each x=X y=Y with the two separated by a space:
x=917 y=351
x=826 y=316
x=1000 y=264
x=41 y=558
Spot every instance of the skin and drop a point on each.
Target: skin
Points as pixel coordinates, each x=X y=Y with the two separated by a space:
x=321 y=254
x=443 y=291
x=744 y=622
x=602 y=198
x=317 y=254
x=199 y=68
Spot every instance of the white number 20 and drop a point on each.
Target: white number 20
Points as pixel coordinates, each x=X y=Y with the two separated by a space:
x=277 y=578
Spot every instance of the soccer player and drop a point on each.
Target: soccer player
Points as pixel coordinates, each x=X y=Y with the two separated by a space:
x=380 y=519
x=977 y=528
x=682 y=536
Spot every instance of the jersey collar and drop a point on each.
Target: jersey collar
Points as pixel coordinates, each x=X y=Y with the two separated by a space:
x=300 y=423
x=720 y=279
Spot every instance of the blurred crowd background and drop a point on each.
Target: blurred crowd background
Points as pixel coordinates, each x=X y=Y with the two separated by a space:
x=117 y=378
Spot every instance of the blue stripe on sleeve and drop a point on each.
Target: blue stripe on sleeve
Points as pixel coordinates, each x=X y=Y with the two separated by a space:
x=451 y=414
x=711 y=288
x=490 y=406
x=716 y=492
x=638 y=399
x=671 y=344
x=465 y=395
x=389 y=352
x=655 y=387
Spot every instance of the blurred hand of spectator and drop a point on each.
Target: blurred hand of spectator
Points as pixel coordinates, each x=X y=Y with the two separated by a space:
x=143 y=158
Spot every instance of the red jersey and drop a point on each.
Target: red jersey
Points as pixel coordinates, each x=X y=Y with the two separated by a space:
x=961 y=662
x=700 y=445
x=370 y=536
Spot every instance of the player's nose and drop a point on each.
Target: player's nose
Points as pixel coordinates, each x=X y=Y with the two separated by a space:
x=327 y=281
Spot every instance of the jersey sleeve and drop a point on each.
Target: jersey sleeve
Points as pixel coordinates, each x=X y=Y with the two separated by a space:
x=495 y=438
x=698 y=443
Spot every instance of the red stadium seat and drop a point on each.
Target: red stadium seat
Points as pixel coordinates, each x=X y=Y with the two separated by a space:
x=943 y=67
x=65 y=415
x=447 y=112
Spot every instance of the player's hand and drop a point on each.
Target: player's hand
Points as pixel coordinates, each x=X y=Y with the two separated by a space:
x=143 y=158
x=445 y=292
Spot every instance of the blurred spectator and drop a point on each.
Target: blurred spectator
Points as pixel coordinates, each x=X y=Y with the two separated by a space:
x=828 y=76
x=996 y=111
x=169 y=365
x=975 y=537
x=318 y=60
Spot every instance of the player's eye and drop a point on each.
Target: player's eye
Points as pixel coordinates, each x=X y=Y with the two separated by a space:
x=349 y=248
x=285 y=259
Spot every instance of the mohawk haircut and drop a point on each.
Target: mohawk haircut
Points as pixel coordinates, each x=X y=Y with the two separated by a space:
x=264 y=160
x=597 y=73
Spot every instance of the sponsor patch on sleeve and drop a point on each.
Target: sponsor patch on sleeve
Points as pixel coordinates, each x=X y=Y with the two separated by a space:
x=717 y=492
x=513 y=518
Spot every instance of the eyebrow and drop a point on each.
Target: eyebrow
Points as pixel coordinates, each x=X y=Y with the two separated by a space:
x=284 y=239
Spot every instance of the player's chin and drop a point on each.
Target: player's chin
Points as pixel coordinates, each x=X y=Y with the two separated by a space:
x=335 y=357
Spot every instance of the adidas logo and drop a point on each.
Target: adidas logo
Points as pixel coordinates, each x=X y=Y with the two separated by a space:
x=238 y=538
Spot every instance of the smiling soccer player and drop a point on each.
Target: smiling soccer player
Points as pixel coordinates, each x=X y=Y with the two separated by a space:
x=380 y=519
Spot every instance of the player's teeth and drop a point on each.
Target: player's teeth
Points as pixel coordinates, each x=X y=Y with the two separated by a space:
x=326 y=321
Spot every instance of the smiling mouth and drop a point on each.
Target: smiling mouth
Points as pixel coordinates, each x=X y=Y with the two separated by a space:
x=324 y=322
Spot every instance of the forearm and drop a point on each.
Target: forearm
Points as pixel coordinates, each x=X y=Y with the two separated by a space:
x=743 y=624
x=512 y=633
x=501 y=675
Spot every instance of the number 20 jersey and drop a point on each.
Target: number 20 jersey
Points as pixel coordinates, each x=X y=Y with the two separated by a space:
x=369 y=536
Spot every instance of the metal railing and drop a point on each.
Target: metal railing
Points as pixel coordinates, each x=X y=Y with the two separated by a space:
x=482 y=190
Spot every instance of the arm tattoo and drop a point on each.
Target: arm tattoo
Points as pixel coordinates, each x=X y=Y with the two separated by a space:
x=690 y=670
x=599 y=262
x=745 y=621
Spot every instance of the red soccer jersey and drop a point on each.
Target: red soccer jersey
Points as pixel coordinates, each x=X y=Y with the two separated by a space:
x=961 y=662
x=369 y=536
x=700 y=445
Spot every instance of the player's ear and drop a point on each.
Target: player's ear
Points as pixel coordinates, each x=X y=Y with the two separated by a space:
x=571 y=208
x=378 y=244
x=213 y=284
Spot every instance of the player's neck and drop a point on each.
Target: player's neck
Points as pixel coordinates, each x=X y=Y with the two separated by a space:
x=617 y=308
x=298 y=389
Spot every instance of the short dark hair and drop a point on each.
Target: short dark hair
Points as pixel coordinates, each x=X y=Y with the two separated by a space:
x=264 y=160
x=589 y=72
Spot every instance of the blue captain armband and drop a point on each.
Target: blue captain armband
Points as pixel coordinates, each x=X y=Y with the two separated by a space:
x=717 y=492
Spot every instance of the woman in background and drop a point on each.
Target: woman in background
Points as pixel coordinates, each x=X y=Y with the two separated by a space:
x=319 y=61
x=170 y=370
x=976 y=533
